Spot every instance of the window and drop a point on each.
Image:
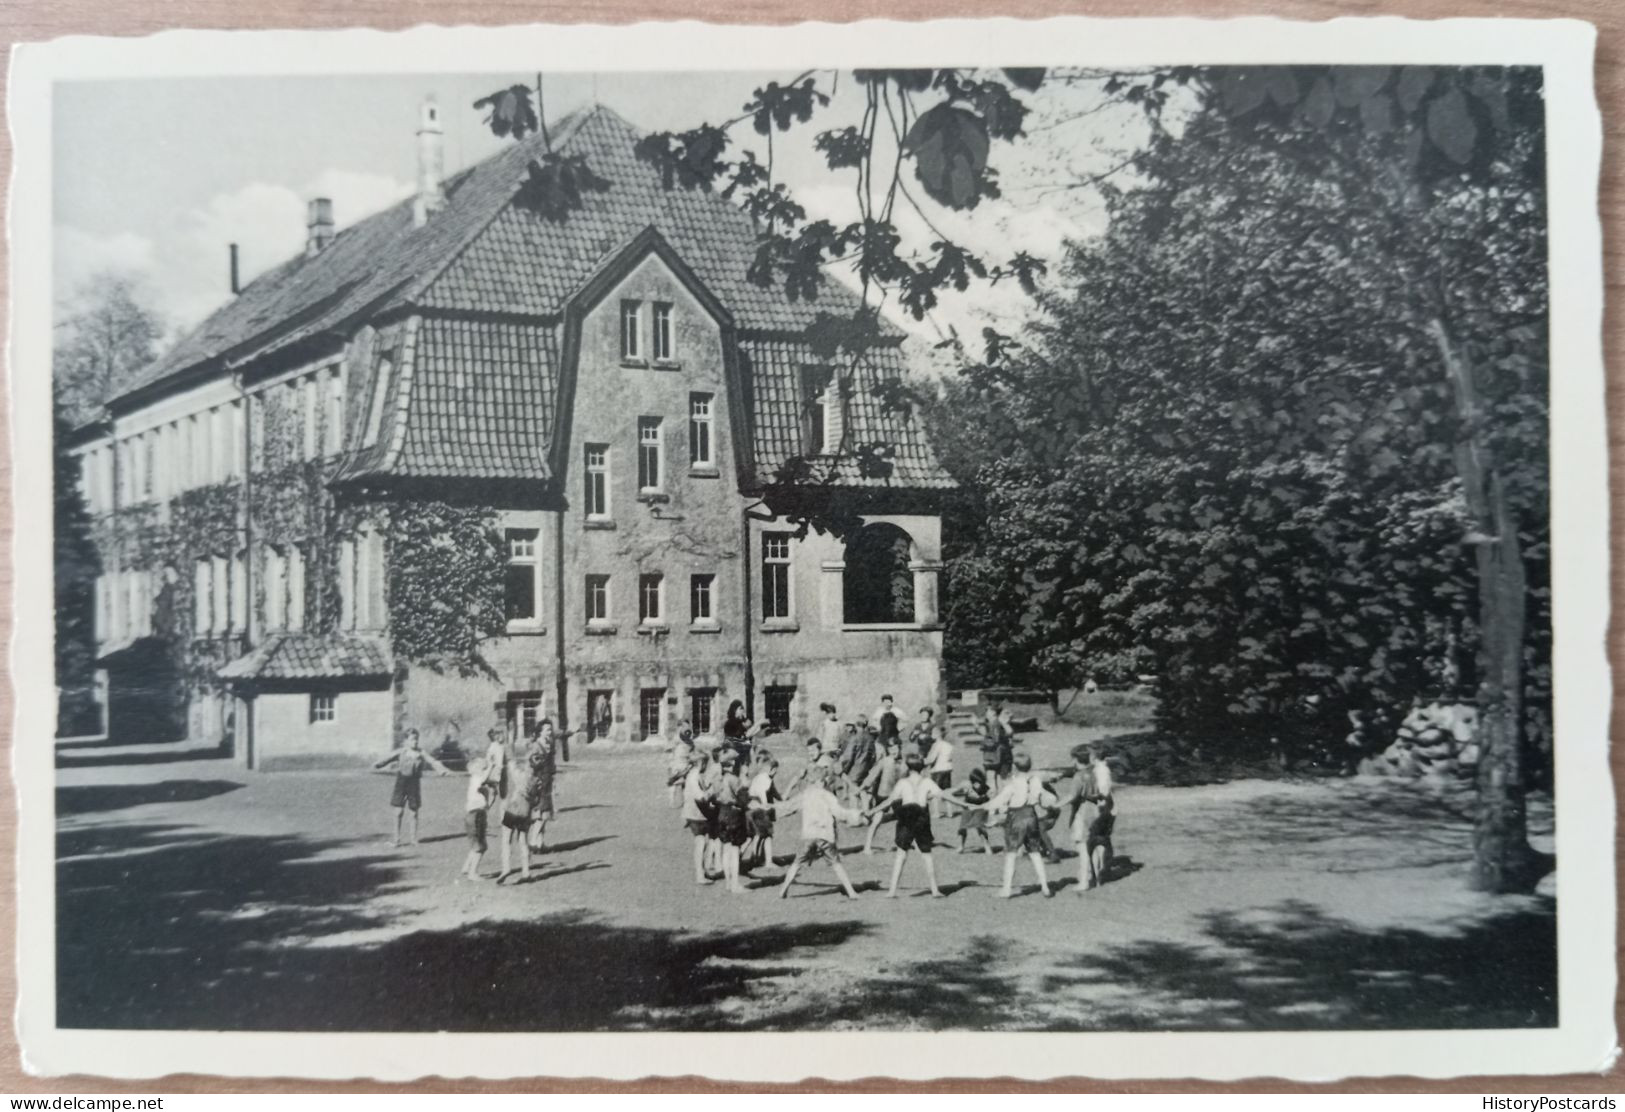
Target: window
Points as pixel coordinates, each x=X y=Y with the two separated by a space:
x=631 y=319
x=202 y=594
x=296 y=587
x=202 y=469
x=234 y=433
x=347 y=583
x=335 y=413
x=598 y=598
x=699 y=431
x=664 y=341
x=371 y=586
x=256 y=433
x=821 y=411
x=276 y=589
x=776 y=576
x=650 y=590
x=324 y=707
x=104 y=609
x=519 y=597
x=777 y=702
x=524 y=711
x=699 y=600
x=308 y=405
x=600 y=713
x=220 y=581
x=877 y=586
x=700 y=701
x=648 y=453
x=380 y=392
x=239 y=592
x=597 y=493
x=650 y=700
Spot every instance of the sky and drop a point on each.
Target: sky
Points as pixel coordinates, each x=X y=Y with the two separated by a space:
x=154 y=178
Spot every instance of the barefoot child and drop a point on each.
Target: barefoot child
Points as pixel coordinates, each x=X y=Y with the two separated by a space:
x=477 y=804
x=410 y=760
x=1021 y=797
x=912 y=797
x=820 y=810
x=696 y=803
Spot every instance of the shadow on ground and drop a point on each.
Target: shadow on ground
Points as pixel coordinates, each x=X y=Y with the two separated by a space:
x=114 y=797
x=163 y=927
x=1292 y=969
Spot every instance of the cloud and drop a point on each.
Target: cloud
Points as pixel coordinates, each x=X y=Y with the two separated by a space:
x=186 y=266
x=79 y=255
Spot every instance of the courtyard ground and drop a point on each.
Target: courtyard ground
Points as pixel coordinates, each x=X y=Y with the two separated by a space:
x=194 y=894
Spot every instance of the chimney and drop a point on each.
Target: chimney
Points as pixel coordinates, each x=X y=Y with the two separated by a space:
x=236 y=287
x=318 y=226
x=431 y=163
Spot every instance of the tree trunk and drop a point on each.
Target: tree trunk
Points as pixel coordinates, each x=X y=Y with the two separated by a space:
x=1500 y=832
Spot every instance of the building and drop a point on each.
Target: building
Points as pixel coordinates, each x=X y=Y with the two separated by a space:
x=474 y=456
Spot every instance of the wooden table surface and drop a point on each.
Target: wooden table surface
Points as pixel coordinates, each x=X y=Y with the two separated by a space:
x=39 y=20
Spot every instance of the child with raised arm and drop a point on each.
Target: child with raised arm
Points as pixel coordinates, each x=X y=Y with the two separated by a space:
x=1020 y=798
x=409 y=760
x=476 y=805
x=682 y=755
x=764 y=793
x=912 y=797
x=820 y=811
x=878 y=785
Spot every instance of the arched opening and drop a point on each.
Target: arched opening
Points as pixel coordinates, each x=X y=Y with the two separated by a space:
x=878 y=585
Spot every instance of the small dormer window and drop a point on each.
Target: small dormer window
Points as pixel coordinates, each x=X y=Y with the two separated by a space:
x=631 y=330
x=664 y=341
x=822 y=416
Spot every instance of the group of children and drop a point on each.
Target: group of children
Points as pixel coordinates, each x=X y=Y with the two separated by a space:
x=860 y=775
x=517 y=773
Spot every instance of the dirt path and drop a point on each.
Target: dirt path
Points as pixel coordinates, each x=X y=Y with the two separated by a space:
x=194 y=894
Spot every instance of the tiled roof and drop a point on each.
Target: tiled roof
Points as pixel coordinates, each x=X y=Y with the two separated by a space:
x=313 y=656
x=775 y=374
x=374 y=264
x=526 y=263
x=482 y=400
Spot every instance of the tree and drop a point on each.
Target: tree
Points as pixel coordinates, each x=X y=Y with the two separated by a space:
x=1451 y=147
x=108 y=333
x=106 y=336
x=76 y=568
x=1295 y=400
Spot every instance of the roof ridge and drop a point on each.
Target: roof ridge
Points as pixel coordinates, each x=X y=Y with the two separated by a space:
x=572 y=122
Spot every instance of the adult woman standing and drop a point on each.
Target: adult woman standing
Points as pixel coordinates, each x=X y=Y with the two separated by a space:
x=737 y=732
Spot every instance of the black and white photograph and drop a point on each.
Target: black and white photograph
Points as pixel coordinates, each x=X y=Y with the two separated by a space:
x=758 y=546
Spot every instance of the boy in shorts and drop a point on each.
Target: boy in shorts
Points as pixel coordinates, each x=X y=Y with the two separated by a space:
x=409 y=760
x=1022 y=797
x=820 y=811
x=912 y=797
x=477 y=803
